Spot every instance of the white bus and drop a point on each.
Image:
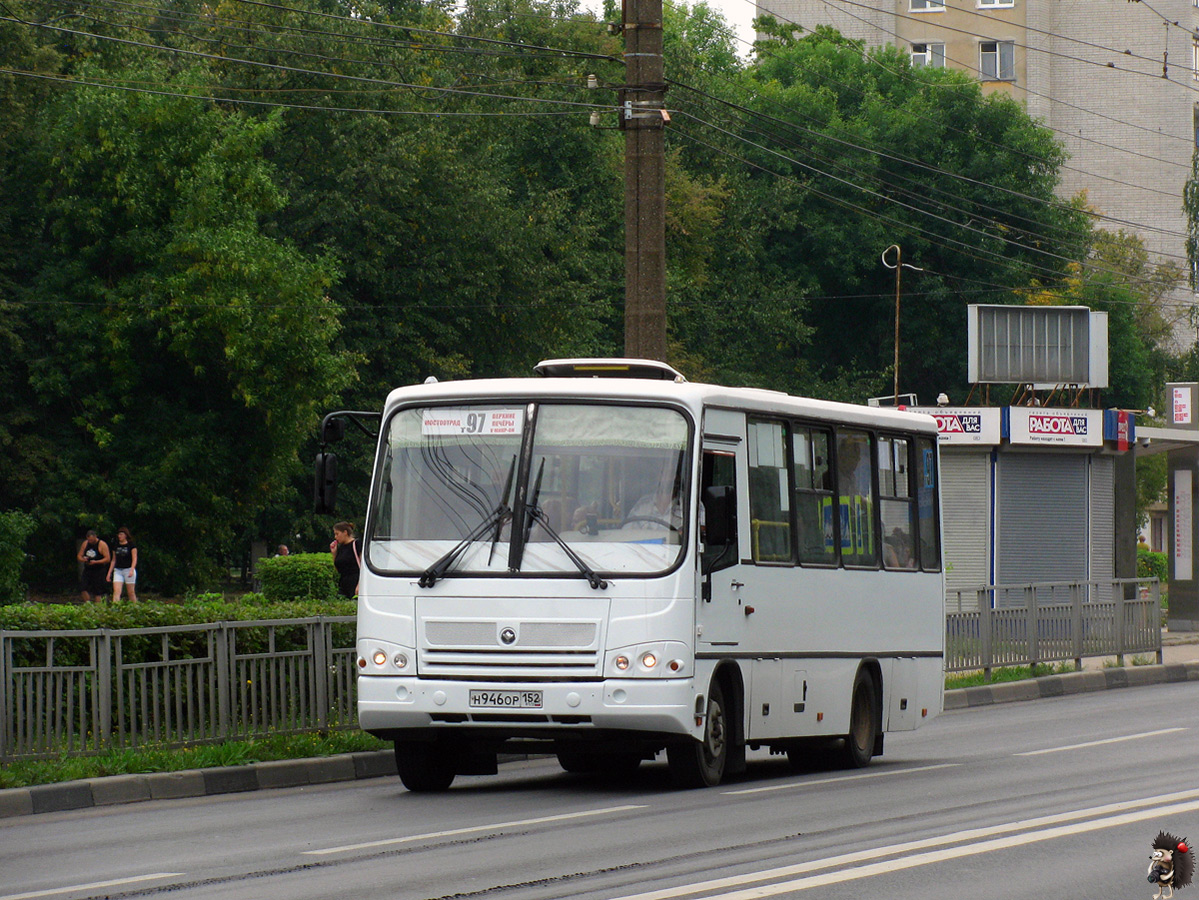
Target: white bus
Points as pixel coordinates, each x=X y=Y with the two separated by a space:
x=606 y=561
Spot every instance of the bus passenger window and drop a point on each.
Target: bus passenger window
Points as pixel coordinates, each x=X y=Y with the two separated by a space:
x=855 y=485
x=769 y=493
x=896 y=505
x=926 y=503
x=813 y=496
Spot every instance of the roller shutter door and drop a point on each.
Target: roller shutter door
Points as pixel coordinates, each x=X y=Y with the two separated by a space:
x=1103 y=526
x=1041 y=528
x=966 y=505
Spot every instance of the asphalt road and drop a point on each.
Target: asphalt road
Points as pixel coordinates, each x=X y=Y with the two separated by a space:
x=1054 y=797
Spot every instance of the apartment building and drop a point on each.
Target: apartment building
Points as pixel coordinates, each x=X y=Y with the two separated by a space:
x=1117 y=80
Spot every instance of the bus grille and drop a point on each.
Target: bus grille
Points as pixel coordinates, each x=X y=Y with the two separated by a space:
x=538 y=650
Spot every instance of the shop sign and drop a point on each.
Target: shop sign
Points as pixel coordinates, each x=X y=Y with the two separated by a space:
x=964 y=424
x=1060 y=427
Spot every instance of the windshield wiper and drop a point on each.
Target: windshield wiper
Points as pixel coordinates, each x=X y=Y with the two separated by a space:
x=495 y=519
x=594 y=580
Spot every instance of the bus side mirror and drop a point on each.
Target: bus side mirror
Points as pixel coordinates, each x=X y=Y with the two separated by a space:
x=333 y=429
x=720 y=515
x=324 y=485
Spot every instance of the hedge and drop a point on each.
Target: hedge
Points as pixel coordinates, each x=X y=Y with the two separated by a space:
x=195 y=610
x=300 y=576
x=1151 y=564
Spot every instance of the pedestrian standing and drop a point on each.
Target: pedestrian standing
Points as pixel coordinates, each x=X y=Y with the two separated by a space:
x=94 y=558
x=347 y=559
x=123 y=568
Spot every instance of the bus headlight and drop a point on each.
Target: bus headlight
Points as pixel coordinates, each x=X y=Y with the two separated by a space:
x=377 y=657
x=663 y=659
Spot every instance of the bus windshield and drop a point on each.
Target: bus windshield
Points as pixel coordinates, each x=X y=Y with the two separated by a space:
x=609 y=481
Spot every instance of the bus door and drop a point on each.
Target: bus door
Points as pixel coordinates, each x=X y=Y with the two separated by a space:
x=721 y=612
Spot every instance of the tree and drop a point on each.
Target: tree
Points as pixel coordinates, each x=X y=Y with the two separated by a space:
x=177 y=354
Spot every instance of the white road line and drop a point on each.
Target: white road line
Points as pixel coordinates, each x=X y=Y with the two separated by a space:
x=843 y=863
x=474 y=829
x=117 y=882
x=1115 y=740
x=923 y=859
x=792 y=785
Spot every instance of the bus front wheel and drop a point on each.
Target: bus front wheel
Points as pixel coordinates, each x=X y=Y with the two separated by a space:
x=863 y=723
x=425 y=767
x=701 y=763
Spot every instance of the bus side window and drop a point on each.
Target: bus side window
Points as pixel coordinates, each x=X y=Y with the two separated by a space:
x=769 y=493
x=926 y=504
x=813 y=496
x=896 y=503
x=719 y=470
x=855 y=485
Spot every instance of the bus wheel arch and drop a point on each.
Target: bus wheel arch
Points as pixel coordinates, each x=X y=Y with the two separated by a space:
x=721 y=750
x=865 y=737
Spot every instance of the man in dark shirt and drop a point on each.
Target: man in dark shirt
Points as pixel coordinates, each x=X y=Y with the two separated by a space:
x=93 y=557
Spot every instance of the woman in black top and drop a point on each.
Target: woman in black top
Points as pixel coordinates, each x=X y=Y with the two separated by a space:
x=123 y=568
x=347 y=559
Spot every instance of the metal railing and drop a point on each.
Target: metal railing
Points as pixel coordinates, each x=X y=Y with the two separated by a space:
x=1043 y=622
x=81 y=692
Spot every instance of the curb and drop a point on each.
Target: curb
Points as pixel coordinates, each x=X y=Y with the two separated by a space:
x=119 y=789
x=1070 y=683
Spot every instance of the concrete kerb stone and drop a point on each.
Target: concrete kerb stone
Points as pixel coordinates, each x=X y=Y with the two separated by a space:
x=175 y=785
x=119 y=789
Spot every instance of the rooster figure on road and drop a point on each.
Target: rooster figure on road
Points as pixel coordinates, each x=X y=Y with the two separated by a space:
x=1171 y=865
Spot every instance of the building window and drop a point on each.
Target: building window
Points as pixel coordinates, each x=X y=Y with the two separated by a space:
x=928 y=55
x=1004 y=4
x=997 y=60
x=927 y=6
x=1195 y=58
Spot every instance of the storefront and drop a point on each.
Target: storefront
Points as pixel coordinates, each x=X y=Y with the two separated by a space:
x=1029 y=495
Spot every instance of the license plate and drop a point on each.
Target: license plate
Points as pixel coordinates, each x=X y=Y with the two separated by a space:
x=506 y=699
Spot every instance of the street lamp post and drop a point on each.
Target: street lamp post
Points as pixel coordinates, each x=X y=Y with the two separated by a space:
x=899 y=266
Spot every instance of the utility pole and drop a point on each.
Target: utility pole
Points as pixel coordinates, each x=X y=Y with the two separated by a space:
x=643 y=119
x=899 y=266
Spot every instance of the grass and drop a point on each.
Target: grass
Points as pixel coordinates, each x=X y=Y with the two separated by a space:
x=1006 y=673
x=143 y=761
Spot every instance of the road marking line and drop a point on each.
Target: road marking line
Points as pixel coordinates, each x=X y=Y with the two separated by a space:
x=117 y=882
x=1155 y=805
x=924 y=859
x=1115 y=740
x=474 y=829
x=858 y=777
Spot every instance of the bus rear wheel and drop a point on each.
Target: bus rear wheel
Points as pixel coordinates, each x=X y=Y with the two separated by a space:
x=863 y=723
x=425 y=767
x=701 y=763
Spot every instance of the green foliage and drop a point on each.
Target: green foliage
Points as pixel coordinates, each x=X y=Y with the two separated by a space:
x=15 y=528
x=187 y=285
x=300 y=576
x=1152 y=565
x=199 y=610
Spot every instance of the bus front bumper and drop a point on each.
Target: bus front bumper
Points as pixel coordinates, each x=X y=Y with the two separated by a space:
x=387 y=703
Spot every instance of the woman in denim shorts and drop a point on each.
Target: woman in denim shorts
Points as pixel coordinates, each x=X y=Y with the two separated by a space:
x=123 y=568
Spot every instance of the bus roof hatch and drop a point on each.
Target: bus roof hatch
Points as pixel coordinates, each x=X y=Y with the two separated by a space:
x=608 y=368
